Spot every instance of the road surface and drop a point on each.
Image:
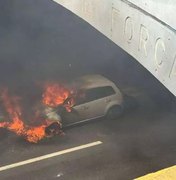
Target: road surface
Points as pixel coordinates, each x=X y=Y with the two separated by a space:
x=139 y=142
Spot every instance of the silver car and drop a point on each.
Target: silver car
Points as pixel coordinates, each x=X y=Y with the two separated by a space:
x=96 y=97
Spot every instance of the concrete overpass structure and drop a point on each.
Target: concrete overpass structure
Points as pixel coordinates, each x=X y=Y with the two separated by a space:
x=145 y=29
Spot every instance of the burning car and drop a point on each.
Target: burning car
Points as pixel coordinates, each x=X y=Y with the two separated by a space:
x=86 y=98
x=93 y=96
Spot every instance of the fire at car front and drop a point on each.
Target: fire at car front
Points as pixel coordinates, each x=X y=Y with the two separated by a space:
x=47 y=115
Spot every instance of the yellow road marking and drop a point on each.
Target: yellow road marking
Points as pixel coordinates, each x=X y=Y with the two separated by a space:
x=165 y=174
x=47 y=156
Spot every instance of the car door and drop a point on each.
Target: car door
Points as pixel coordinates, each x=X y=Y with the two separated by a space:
x=102 y=97
x=94 y=103
x=83 y=105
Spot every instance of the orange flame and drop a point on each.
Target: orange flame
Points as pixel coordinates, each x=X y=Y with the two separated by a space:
x=55 y=95
x=32 y=134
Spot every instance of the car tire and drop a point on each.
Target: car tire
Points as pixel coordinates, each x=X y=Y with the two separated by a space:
x=114 y=112
x=53 y=129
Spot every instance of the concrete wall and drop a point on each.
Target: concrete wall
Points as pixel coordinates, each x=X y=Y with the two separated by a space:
x=145 y=29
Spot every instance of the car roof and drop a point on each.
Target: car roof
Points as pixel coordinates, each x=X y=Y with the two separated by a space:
x=92 y=81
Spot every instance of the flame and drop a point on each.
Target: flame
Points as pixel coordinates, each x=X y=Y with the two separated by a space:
x=16 y=124
x=34 y=134
x=3 y=124
x=54 y=94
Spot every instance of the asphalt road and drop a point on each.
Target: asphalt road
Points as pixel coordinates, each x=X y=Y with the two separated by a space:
x=137 y=143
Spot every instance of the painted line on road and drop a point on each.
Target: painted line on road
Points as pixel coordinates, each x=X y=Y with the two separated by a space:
x=47 y=156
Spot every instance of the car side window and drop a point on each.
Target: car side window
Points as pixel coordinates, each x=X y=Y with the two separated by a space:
x=105 y=91
x=95 y=94
x=80 y=97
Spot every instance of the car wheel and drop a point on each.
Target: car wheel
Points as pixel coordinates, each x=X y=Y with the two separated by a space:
x=53 y=129
x=114 y=112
